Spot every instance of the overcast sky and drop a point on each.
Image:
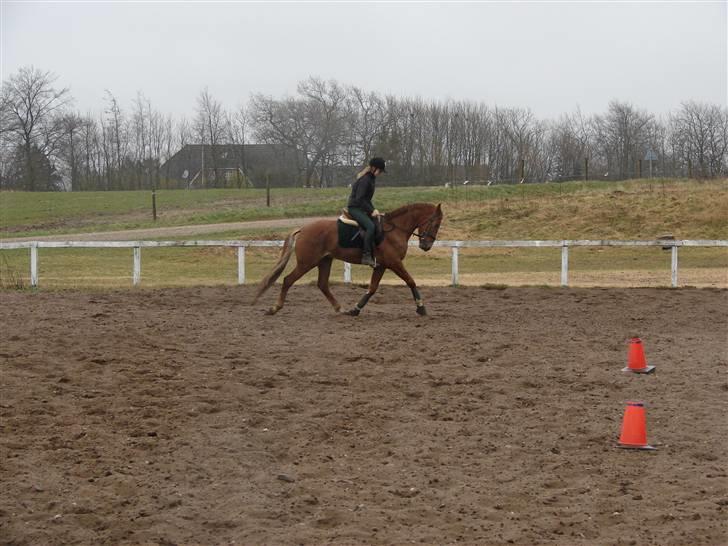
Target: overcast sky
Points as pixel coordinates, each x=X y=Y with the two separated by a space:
x=548 y=56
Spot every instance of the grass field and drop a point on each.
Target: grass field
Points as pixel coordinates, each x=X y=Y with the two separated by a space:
x=594 y=210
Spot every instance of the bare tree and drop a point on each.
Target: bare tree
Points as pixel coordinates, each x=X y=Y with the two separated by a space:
x=622 y=136
x=323 y=103
x=237 y=126
x=31 y=107
x=73 y=124
x=115 y=142
x=569 y=145
x=140 y=125
x=283 y=122
x=106 y=155
x=92 y=154
x=210 y=125
x=367 y=118
x=701 y=131
x=328 y=127
x=313 y=124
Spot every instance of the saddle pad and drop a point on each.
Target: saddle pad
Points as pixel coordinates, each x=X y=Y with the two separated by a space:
x=349 y=236
x=352 y=236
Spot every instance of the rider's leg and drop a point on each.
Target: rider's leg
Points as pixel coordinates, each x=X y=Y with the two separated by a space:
x=367 y=224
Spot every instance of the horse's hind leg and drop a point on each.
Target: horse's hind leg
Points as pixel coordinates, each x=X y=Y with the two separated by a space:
x=324 y=273
x=292 y=277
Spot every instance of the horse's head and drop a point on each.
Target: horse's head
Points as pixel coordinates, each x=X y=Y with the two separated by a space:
x=429 y=227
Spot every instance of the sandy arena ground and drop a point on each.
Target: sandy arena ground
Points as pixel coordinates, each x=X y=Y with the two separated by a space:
x=185 y=416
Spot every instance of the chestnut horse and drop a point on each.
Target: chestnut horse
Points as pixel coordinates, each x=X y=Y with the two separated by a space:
x=317 y=244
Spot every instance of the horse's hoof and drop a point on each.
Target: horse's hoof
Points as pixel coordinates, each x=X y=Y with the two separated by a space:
x=421 y=310
x=271 y=311
x=352 y=312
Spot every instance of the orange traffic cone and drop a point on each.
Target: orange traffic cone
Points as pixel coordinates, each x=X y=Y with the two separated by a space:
x=636 y=358
x=634 y=428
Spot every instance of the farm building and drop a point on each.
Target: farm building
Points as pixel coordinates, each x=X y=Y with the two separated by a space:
x=231 y=166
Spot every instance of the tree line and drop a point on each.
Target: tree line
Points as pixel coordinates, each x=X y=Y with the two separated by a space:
x=45 y=144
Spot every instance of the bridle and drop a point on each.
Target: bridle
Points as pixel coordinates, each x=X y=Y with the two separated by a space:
x=428 y=227
x=423 y=232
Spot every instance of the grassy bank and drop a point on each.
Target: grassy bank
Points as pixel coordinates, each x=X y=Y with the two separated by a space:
x=632 y=209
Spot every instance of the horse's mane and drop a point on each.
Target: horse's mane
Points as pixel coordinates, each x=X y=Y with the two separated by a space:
x=406 y=208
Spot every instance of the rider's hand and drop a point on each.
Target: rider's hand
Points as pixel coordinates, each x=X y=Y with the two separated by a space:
x=376 y=213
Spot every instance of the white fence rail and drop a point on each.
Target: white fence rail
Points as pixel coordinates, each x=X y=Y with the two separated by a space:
x=454 y=245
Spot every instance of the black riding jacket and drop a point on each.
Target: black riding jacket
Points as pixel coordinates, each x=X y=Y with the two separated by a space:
x=362 y=192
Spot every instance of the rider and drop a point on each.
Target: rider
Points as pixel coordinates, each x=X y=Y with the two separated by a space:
x=361 y=208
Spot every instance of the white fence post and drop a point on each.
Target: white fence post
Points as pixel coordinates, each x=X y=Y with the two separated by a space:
x=241 y=265
x=137 y=271
x=34 y=265
x=455 y=265
x=673 y=266
x=347 y=272
x=565 y=264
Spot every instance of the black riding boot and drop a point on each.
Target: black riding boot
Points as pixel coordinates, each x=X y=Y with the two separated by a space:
x=367 y=256
x=368 y=259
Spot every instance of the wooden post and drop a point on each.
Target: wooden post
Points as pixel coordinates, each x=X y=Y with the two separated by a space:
x=639 y=168
x=241 y=265
x=673 y=267
x=154 y=204
x=586 y=169
x=34 y=265
x=267 y=190
x=136 y=276
x=347 y=272
x=523 y=169
x=565 y=265
x=690 y=168
x=203 y=162
x=455 y=264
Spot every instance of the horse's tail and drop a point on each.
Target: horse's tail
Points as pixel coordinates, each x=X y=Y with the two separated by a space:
x=288 y=246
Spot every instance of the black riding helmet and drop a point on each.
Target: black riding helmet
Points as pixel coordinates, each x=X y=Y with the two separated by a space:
x=377 y=163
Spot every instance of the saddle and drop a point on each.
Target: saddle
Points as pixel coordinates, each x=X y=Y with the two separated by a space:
x=351 y=235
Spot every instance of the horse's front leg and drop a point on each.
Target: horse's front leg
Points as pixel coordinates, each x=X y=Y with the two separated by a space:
x=402 y=273
x=373 y=285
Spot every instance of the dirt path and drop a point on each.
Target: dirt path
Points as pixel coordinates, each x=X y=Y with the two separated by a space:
x=175 y=231
x=186 y=416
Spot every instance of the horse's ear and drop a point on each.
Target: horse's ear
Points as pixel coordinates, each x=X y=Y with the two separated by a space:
x=439 y=208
